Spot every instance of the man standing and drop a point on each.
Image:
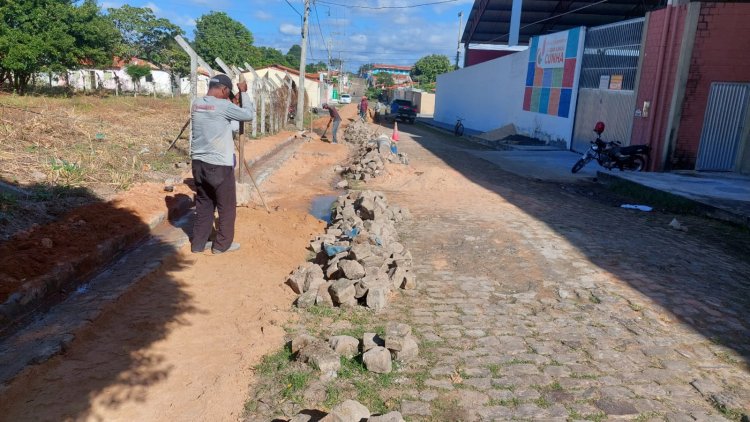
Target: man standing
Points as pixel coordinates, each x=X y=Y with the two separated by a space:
x=335 y=119
x=363 y=108
x=212 y=152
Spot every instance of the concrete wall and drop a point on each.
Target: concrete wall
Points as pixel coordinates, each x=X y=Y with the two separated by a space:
x=110 y=79
x=721 y=53
x=312 y=88
x=490 y=95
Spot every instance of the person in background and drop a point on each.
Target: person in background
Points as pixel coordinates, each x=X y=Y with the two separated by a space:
x=335 y=119
x=212 y=153
x=363 y=106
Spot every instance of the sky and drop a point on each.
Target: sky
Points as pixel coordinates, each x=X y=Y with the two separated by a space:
x=355 y=30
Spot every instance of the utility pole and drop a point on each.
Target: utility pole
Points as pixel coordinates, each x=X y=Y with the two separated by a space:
x=303 y=57
x=458 y=46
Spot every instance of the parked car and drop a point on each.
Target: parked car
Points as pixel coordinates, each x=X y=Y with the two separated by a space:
x=403 y=110
x=345 y=99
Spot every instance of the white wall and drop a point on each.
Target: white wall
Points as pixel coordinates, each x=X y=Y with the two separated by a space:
x=489 y=95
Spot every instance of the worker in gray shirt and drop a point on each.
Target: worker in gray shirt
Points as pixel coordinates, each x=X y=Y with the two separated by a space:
x=212 y=152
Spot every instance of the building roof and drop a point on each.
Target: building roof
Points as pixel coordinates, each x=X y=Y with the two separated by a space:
x=119 y=63
x=489 y=20
x=390 y=66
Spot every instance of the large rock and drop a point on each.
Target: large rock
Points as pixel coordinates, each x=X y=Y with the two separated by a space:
x=367 y=208
x=388 y=417
x=321 y=357
x=352 y=270
x=378 y=359
x=307 y=299
x=377 y=297
x=398 y=276
x=409 y=350
x=371 y=340
x=323 y=297
x=348 y=411
x=302 y=341
x=314 y=278
x=396 y=335
x=410 y=281
x=296 y=279
x=346 y=346
x=343 y=292
x=360 y=251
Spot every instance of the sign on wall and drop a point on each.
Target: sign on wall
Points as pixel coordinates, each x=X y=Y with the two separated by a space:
x=551 y=73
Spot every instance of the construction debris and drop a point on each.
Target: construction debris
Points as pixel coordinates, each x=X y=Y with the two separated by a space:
x=373 y=152
x=359 y=260
x=377 y=355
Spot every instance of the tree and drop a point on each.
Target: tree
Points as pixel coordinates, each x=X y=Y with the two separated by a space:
x=385 y=79
x=218 y=35
x=293 y=56
x=315 y=68
x=51 y=36
x=364 y=69
x=149 y=38
x=266 y=56
x=136 y=72
x=143 y=35
x=428 y=67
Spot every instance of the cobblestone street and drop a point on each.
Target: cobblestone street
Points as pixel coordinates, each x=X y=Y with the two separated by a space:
x=540 y=301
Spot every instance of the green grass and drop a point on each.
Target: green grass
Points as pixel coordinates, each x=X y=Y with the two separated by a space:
x=495 y=369
x=294 y=383
x=334 y=395
x=594 y=299
x=596 y=417
x=576 y=375
x=275 y=363
x=516 y=361
x=542 y=402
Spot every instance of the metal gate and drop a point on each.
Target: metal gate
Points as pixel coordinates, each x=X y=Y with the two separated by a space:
x=608 y=78
x=726 y=112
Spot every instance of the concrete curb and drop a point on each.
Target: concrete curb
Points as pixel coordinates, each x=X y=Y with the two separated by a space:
x=126 y=266
x=704 y=209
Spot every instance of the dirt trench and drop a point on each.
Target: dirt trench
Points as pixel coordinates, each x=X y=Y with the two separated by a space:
x=182 y=343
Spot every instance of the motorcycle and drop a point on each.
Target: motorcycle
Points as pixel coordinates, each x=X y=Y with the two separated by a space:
x=612 y=155
x=292 y=112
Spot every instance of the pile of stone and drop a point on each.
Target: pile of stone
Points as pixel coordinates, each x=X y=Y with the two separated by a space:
x=371 y=158
x=350 y=411
x=359 y=260
x=359 y=133
x=377 y=354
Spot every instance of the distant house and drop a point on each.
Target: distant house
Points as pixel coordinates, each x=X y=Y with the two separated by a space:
x=113 y=78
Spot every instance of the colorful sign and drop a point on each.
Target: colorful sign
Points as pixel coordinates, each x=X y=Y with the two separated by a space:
x=615 y=82
x=551 y=73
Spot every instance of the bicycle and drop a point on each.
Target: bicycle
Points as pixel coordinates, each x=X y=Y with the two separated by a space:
x=458 y=130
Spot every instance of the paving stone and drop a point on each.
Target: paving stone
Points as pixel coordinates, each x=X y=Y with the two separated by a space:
x=388 y=417
x=441 y=384
x=348 y=411
x=428 y=395
x=479 y=383
x=415 y=408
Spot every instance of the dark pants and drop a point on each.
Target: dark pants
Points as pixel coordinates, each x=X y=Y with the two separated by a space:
x=215 y=190
x=335 y=129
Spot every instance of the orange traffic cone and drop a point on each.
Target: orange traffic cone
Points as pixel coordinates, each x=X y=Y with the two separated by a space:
x=394 y=137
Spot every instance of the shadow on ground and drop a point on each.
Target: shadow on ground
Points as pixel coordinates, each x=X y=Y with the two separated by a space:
x=118 y=366
x=701 y=276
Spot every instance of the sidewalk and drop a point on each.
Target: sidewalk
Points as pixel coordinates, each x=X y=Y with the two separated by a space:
x=724 y=196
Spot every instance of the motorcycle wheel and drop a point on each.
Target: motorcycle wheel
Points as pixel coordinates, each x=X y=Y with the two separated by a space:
x=578 y=165
x=637 y=164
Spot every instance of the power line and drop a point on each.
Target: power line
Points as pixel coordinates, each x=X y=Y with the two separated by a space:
x=293 y=8
x=387 y=7
x=320 y=29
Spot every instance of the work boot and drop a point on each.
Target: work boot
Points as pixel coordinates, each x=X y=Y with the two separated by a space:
x=208 y=246
x=233 y=247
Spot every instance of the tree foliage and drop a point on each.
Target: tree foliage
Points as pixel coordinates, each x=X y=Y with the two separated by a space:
x=293 y=56
x=136 y=72
x=385 y=79
x=51 y=35
x=429 y=67
x=218 y=35
x=143 y=35
x=316 y=67
x=365 y=68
